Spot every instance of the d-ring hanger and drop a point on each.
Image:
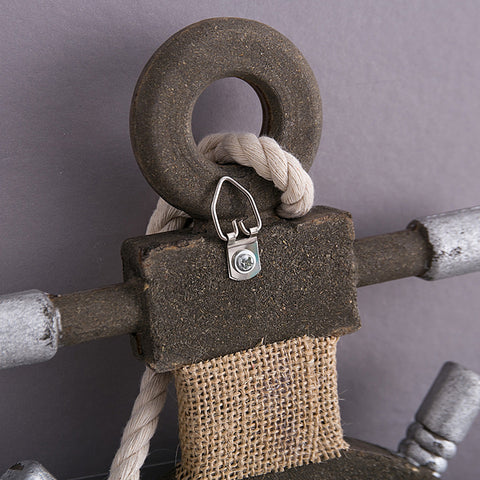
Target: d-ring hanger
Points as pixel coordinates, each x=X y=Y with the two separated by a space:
x=176 y=75
x=247 y=231
x=243 y=258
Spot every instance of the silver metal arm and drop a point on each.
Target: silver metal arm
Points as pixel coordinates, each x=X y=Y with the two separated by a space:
x=29 y=328
x=455 y=241
x=443 y=419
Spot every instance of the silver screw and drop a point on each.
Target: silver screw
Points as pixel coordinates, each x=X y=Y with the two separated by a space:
x=244 y=261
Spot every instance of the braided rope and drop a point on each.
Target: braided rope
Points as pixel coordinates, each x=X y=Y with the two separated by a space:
x=141 y=426
x=151 y=398
x=270 y=162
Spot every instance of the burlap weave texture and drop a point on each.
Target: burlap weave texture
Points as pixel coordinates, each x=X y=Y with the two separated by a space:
x=259 y=411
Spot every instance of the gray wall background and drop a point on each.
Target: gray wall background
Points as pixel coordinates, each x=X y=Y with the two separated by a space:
x=400 y=88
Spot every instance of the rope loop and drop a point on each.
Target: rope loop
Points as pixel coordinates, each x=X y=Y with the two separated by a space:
x=270 y=161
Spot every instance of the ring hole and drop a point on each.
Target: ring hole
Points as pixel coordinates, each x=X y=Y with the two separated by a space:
x=227 y=105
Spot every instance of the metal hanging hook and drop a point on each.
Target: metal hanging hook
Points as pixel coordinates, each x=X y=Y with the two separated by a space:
x=243 y=256
x=247 y=231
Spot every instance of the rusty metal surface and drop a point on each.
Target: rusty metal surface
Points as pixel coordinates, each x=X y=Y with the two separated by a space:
x=100 y=313
x=362 y=461
x=391 y=256
x=306 y=286
x=174 y=78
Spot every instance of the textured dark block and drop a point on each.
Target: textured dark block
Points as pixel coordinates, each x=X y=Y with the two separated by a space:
x=307 y=286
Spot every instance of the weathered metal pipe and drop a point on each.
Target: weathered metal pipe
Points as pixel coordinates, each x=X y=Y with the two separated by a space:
x=454 y=238
x=29 y=328
x=433 y=247
x=34 y=324
x=443 y=419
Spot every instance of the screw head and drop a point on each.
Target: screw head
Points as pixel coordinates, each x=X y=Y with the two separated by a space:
x=244 y=261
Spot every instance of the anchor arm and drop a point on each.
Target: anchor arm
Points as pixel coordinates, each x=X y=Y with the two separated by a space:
x=34 y=324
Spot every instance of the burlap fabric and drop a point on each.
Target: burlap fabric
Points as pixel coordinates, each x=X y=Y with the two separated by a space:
x=262 y=410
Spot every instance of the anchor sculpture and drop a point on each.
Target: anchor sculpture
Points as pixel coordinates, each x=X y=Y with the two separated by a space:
x=311 y=266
